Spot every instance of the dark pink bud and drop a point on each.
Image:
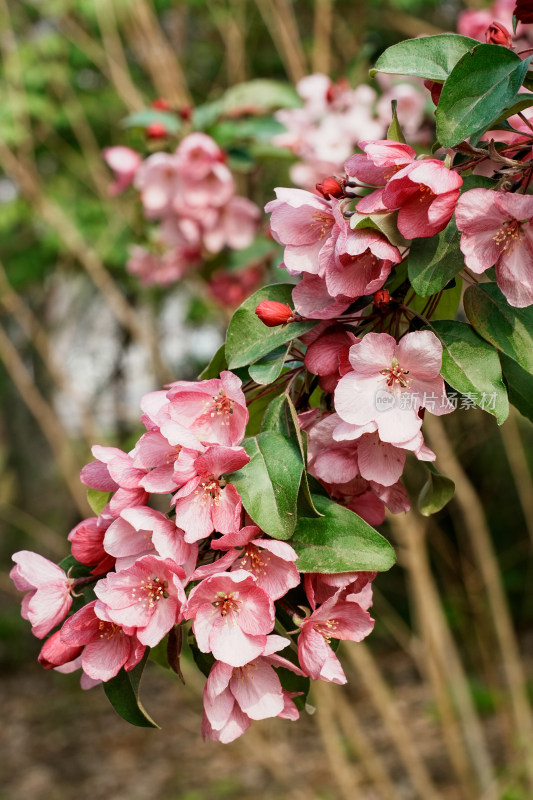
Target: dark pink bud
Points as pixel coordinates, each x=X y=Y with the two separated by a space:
x=382 y=298
x=161 y=104
x=185 y=113
x=331 y=187
x=497 y=33
x=272 y=313
x=156 y=130
x=54 y=653
x=435 y=88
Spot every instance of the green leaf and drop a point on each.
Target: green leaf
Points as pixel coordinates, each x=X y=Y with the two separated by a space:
x=430 y=57
x=525 y=101
x=98 y=500
x=471 y=366
x=268 y=368
x=270 y=482
x=519 y=386
x=394 y=132
x=248 y=339
x=275 y=418
x=448 y=303
x=74 y=568
x=340 y=541
x=433 y=261
x=306 y=507
x=507 y=328
x=259 y=96
x=481 y=85
x=436 y=492
x=123 y=693
x=217 y=365
x=385 y=223
x=141 y=119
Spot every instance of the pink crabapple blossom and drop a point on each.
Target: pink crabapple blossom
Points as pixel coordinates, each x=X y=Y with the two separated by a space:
x=48 y=591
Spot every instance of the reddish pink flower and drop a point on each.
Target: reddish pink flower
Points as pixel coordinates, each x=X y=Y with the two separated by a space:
x=497 y=231
x=169 y=454
x=48 y=597
x=206 y=503
x=107 y=647
x=230 y=288
x=389 y=384
x=320 y=587
x=124 y=162
x=334 y=619
x=382 y=159
x=55 y=653
x=231 y=617
x=425 y=192
x=114 y=471
x=234 y=696
x=147 y=597
x=270 y=561
x=327 y=356
x=162 y=269
x=302 y=222
x=215 y=410
x=313 y=301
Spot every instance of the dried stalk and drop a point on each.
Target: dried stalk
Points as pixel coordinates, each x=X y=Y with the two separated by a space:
x=46 y=419
x=278 y=17
x=323 y=23
x=476 y=527
x=369 y=675
x=516 y=456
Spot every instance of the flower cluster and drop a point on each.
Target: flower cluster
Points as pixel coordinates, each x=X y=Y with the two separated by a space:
x=324 y=131
x=192 y=195
x=203 y=561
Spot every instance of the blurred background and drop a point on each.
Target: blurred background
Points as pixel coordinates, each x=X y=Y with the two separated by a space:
x=438 y=700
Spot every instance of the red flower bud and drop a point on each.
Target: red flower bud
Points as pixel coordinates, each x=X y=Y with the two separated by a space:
x=382 y=298
x=161 y=104
x=331 y=187
x=435 y=88
x=497 y=33
x=272 y=313
x=156 y=130
x=185 y=113
x=524 y=11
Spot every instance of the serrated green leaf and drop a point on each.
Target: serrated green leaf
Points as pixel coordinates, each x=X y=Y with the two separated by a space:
x=436 y=492
x=519 y=386
x=98 y=500
x=123 y=693
x=339 y=541
x=471 y=366
x=433 y=261
x=248 y=339
x=270 y=482
x=430 y=57
x=507 y=328
x=481 y=85
x=268 y=368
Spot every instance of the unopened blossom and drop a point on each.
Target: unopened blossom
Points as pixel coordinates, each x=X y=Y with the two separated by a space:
x=214 y=410
x=496 y=230
x=334 y=619
x=231 y=617
x=147 y=597
x=327 y=356
x=87 y=545
x=390 y=382
x=124 y=162
x=233 y=696
x=48 y=591
x=107 y=647
x=207 y=502
x=272 y=313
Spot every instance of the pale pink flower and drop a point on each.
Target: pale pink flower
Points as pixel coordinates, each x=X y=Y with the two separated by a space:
x=168 y=454
x=390 y=382
x=382 y=159
x=114 y=471
x=425 y=192
x=270 y=561
x=497 y=231
x=312 y=300
x=147 y=597
x=233 y=696
x=231 y=617
x=302 y=222
x=107 y=647
x=214 y=410
x=196 y=154
x=235 y=227
x=124 y=162
x=158 y=180
x=207 y=503
x=334 y=619
x=47 y=600
x=162 y=269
